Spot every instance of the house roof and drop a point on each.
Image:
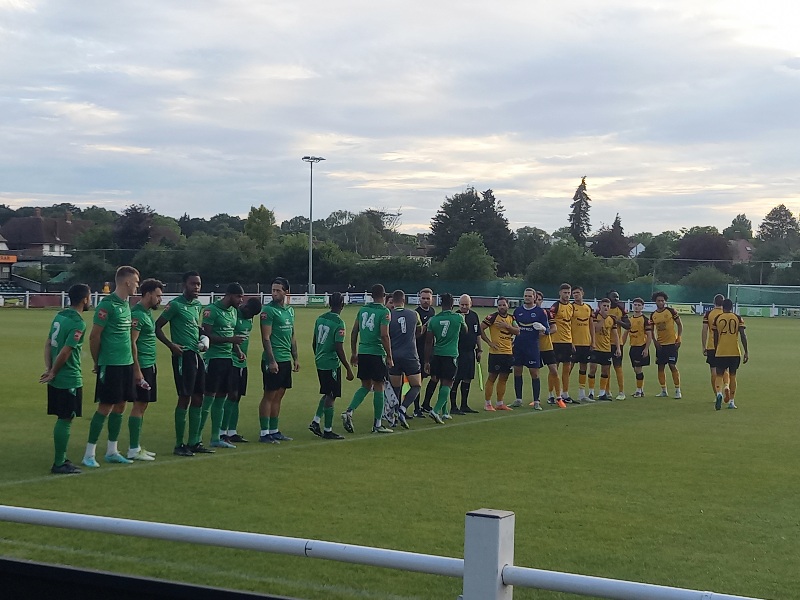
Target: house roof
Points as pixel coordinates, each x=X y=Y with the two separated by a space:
x=21 y=232
x=741 y=250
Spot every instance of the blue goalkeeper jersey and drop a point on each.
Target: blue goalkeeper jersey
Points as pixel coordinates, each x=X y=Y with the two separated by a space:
x=525 y=317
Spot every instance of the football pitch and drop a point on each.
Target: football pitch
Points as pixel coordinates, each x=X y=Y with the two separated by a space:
x=654 y=489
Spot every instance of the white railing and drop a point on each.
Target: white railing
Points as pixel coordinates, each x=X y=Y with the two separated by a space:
x=487 y=568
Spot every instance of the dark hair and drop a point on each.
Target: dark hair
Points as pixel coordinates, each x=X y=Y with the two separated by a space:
x=639 y=300
x=565 y=286
x=77 y=293
x=150 y=285
x=336 y=300
x=539 y=294
x=235 y=289
x=661 y=294
x=399 y=296
x=125 y=271
x=499 y=298
x=378 y=291
x=446 y=301
x=719 y=299
x=252 y=306
x=281 y=281
x=577 y=287
x=185 y=276
x=727 y=305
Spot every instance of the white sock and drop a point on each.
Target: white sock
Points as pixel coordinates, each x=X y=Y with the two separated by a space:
x=328 y=429
x=134 y=450
x=273 y=431
x=677 y=389
x=591 y=391
x=231 y=432
x=378 y=422
x=264 y=431
x=90 y=450
x=112 y=448
x=316 y=419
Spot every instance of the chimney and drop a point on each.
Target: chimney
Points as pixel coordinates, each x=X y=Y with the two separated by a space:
x=37 y=212
x=68 y=216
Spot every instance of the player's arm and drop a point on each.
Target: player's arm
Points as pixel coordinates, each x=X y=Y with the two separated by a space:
x=295 y=356
x=428 y=352
x=61 y=360
x=386 y=341
x=339 y=346
x=743 y=337
x=704 y=333
x=679 y=323
x=624 y=321
x=162 y=337
x=615 y=341
x=418 y=330
x=354 y=343
x=137 y=369
x=624 y=337
x=715 y=331
x=48 y=359
x=266 y=343
x=94 y=343
x=485 y=324
x=513 y=329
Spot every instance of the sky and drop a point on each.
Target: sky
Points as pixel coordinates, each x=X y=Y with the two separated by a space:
x=678 y=113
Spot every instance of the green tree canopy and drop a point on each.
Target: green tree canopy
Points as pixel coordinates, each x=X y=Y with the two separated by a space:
x=132 y=229
x=469 y=260
x=611 y=241
x=741 y=228
x=779 y=224
x=260 y=226
x=579 y=224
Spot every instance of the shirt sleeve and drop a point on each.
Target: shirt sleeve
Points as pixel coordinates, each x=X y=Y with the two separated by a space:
x=209 y=316
x=75 y=335
x=386 y=318
x=266 y=317
x=168 y=312
x=489 y=320
x=101 y=315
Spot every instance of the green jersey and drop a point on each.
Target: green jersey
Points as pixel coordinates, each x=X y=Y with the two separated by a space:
x=114 y=315
x=446 y=328
x=142 y=321
x=243 y=329
x=281 y=318
x=222 y=321
x=67 y=330
x=328 y=331
x=184 y=322
x=370 y=319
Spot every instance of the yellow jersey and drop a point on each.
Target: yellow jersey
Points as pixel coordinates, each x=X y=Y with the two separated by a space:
x=663 y=324
x=580 y=323
x=708 y=319
x=602 y=336
x=727 y=326
x=637 y=334
x=618 y=312
x=561 y=313
x=502 y=339
x=545 y=341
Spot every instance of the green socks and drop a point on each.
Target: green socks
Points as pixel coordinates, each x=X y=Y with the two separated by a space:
x=377 y=404
x=230 y=415
x=358 y=398
x=96 y=427
x=194 y=425
x=444 y=399
x=61 y=440
x=321 y=407
x=180 y=425
x=208 y=402
x=273 y=424
x=216 y=417
x=135 y=429
x=264 y=423
x=328 y=418
x=114 y=426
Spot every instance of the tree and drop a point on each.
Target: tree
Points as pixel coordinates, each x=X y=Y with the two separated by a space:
x=260 y=226
x=99 y=215
x=529 y=244
x=295 y=225
x=132 y=229
x=579 y=225
x=706 y=276
x=469 y=260
x=99 y=236
x=741 y=228
x=6 y=213
x=469 y=212
x=703 y=243
x=611 y=241
x=566 y=261
x=779 y=224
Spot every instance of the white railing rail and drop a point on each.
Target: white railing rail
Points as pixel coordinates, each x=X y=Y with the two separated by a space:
x=487 y=567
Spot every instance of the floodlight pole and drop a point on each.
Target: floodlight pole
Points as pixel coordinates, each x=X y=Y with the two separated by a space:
x=311 y=160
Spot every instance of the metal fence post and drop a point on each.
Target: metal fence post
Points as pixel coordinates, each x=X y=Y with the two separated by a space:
x=488 y=547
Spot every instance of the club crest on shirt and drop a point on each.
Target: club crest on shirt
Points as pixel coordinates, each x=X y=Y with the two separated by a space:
x=102 y=314
x=78 y=335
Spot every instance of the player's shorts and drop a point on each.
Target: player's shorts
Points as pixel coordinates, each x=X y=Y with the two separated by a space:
x=547 y=357
x=277 y=381
x=150 y=376
x=218 y=376
x=617 y=360
x=405 y=366
x=500 y=363
x=727 y=362
x=189 y=372
x=637 y=360
x=115 y=384
x=466 y=366
x=372 y=367
x=667 y=355
x=238 y=381
x=581 y=355
x=711 y=357
x=563 y=352
x=444 y=368
x=64 y=403
x=330 y=382
x=526 y=357
x=600 y=358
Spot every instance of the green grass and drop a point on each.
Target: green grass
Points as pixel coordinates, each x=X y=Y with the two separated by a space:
x=658 y=490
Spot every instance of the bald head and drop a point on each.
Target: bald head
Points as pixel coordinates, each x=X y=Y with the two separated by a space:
x=464 y=303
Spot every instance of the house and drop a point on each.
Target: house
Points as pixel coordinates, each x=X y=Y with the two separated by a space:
x=6 y=260
x=636 y=249
x=741 y=251
x=37 y=236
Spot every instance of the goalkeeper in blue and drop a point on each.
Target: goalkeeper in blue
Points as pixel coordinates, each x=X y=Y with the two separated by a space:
x=532 y=320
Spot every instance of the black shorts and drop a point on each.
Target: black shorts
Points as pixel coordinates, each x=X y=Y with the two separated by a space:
x=277 y=381
x=444 y=368
x=219 y=377
x=64 y=404
x=466 y=366
x=115 y=384
x=547 y=357
x=667 y=355
x=637 y=360
x=526 y=357
x=563 y=352
x=711 y=357
x=330 y=382
x=405 y=366
x=189 y=372
x=500 y=363
x=617 y=360
x=372 y=367
x=238 y=381
x=150 y=376
x=581 y=355
x=600 y=358
x=727 y=362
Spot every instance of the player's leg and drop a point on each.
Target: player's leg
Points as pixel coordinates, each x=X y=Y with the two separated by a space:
x=184 y=392
x=412 y=396
x=65 y=405
x=518 y=362
x=196 y=405
x=135 y=420
x=592 y=378
x=502 y=381
x=444 y=396
x=639 y=372
x=536 y=386
x=429 y=390
x=719 y=372
x=271 y=383
x=566 y=369
x=582 y=372
x=662 y=376
x=616 y=361
x=494 y=369
x=676 y=376
x=605 y=370
x=378 y=400
x=732 y=370
x=275 y=407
